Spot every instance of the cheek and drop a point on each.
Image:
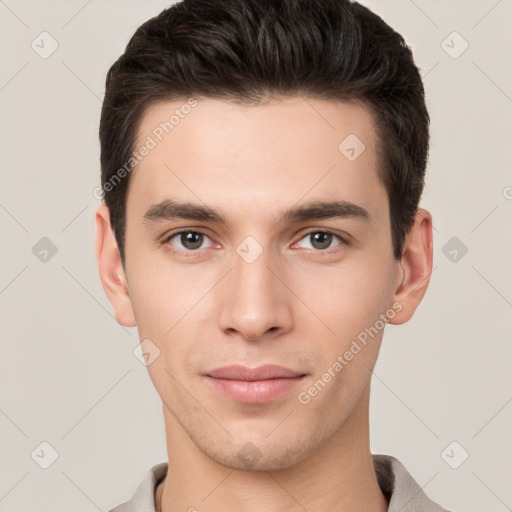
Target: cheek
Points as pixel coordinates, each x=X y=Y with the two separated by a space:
x=347 y=340
x=162 y=293
x=347 y=298
x=171 y=306
x=149 y=303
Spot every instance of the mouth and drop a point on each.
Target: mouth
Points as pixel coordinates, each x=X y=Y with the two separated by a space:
x=253 y=385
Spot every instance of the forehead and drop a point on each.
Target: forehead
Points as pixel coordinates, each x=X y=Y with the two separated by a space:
x=234 y=156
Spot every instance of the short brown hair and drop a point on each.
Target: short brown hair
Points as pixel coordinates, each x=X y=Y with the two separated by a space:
x=248 y=50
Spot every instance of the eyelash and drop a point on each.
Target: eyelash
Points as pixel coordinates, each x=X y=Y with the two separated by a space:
x=343 y=240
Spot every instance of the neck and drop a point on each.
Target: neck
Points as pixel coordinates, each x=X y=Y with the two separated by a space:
x=339 y=476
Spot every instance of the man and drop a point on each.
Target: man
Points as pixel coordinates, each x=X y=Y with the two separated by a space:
x=262 y=166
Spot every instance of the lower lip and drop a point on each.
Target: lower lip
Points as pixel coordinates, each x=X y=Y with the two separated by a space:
x=254 y=391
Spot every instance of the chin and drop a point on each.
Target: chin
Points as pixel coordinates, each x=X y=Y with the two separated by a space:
x=249 y=456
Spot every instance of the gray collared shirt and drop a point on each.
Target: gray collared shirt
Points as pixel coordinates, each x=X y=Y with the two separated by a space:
x=402 y=491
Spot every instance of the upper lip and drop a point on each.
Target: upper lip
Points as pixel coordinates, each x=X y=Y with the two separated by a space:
x=267 y=371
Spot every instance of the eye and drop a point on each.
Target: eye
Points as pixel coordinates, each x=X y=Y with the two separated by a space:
x=187 y=240
x=321 y=240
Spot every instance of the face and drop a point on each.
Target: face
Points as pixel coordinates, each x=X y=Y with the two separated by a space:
x=255 y=236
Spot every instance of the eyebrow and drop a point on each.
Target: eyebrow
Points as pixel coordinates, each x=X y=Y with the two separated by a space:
x=169 y=210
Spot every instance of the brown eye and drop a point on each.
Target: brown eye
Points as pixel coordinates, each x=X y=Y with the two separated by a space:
x=187 y=240
x=191 y=240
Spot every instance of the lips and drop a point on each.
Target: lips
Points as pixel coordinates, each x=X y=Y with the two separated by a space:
x=268 y=371
x=253 y=385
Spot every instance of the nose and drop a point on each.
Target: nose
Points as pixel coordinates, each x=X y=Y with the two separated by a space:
x=255 y=304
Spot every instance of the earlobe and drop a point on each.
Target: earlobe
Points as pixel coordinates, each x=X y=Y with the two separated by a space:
x=111 y=270
x=415 y=267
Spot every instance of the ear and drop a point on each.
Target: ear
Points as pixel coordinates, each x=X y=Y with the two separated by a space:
x=111 y=269
x=416 y=268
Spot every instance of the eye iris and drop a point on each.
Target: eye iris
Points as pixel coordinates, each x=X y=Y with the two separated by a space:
x=321 y=240
x=192 y=240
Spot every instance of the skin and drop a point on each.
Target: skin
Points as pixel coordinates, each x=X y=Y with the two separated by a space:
x=296 y=305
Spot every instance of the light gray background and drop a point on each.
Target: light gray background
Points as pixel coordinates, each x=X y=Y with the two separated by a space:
x=68 y=373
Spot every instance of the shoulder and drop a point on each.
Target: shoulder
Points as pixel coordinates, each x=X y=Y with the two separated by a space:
x=398 y=485
x=143 y=499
